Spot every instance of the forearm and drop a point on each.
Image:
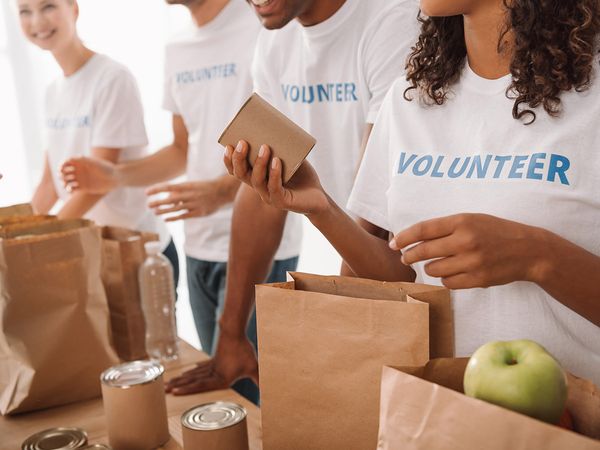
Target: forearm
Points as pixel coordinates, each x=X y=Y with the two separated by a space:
x=256 y=232
x=78 y=205
x=368 y=256
x=166 y=164
x=44 y=198
x=570 y=274
x=227 y=187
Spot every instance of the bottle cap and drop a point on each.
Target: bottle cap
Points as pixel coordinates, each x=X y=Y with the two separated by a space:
x=152 y=247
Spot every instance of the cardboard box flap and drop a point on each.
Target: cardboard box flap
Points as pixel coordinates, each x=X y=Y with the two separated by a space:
x=259 y=123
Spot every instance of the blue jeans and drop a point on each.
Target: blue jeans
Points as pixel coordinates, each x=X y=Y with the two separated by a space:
x=171 y=253
x=206 y=284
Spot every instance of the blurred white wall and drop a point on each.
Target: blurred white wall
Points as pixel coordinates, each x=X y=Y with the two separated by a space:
x=133 y=32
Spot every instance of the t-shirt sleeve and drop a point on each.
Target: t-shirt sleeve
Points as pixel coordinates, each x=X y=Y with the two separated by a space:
x=262 y=85
x=385 y=51
x=118 y=119
x=368 y=199
x=168 y=100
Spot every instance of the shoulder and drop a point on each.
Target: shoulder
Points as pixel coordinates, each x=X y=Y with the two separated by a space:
x=114 y=73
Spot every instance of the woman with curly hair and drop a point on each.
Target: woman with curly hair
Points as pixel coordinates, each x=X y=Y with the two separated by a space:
x=484 y=167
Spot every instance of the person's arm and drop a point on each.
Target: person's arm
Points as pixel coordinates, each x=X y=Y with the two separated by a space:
x=79 y=203
x=345 y=270
x=45 y=196
x=95 y=176
x=478 y=250
x=194 y=198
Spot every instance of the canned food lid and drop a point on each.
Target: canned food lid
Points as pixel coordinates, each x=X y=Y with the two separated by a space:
x=96 y=447
x=213 y=416
x=56 y=439
x=132 y=374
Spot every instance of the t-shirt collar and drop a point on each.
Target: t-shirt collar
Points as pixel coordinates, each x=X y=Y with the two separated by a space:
x=470 y=80
x=327 y=27
x=225 y=17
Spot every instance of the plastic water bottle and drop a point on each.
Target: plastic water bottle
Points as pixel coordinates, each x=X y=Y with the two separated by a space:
x=158 y=303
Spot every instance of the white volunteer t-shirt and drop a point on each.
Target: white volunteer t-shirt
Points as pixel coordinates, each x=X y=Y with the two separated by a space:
x=100 y=106
x=207 y=79
x=331 y=79
x=470 y=155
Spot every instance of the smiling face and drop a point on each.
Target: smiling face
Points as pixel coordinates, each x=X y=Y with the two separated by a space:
x=49 y=24
x=275 y=14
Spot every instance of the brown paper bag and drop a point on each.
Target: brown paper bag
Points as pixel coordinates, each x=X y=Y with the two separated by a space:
x=423 y=408
x=322 y=342
x=122 y=254
x=54 y=332
x=23 y=209
x=15 y=220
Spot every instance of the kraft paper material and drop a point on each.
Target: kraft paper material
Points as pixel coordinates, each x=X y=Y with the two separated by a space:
x=54 y=332
x=23 y=209
x=424 y=409
x=259 y=123
x=122 y=254
x=322 y=343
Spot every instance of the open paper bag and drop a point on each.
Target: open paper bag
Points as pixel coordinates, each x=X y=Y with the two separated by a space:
x=423 y=408
x=122 y=254
x=321 y=344
x=54 y=330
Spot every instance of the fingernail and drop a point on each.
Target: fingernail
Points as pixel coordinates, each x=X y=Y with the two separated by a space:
x=274 y=163
x=238 y=147
x=261 y=151
x=393 y=245
x=403 y=260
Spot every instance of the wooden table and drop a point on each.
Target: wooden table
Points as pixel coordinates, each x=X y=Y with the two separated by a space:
x=89 y=415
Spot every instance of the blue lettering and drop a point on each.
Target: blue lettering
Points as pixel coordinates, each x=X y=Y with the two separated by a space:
x=351 y=92
x=518 y=164
x=294 y=93
x=286 y=90
x=311 y=97
x=501 y=161
x=436 y=169
x=453 y=173
x=533 y=165
x=323 y=93
x=402 y=166
x=559 y=166
x=338 y=92
x=428 y=160
x=481 y=168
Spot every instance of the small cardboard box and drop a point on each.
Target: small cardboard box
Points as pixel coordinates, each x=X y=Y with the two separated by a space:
x=259 y=123
x=424 y=408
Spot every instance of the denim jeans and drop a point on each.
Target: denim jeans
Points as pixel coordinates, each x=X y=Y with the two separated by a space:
x=206 y=284
x=171 y=253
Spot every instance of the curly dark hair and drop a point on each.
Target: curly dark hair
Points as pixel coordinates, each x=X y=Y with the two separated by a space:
x=554 y=51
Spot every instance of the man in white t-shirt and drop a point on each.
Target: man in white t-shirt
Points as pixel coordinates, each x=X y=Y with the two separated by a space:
x=207 y=79
x=329 y=71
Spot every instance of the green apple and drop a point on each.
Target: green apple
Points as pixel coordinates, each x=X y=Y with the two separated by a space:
x=518 y=375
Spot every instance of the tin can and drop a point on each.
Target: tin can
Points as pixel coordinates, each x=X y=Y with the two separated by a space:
x=135 y=406
x=215 y=426
x=56 y=439
x=96 y=447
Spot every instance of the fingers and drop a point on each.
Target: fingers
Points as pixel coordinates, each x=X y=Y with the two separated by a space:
x=168 y=187
x=241 y=167
x=432 y=249
x=260 y=172
x=172 y=199
x=212 y=382
x=227 y=159
x=423 y=231
x=275 y=184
